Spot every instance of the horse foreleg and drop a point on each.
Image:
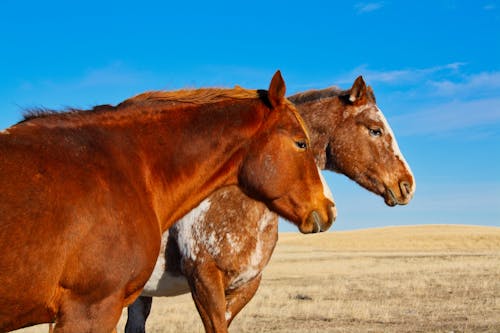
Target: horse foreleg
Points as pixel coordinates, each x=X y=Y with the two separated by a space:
x=207 y=290
x=236 y=299
x=138 y=313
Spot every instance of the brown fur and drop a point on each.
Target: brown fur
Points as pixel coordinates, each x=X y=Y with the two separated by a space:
x=85 y=196
x=339 y=122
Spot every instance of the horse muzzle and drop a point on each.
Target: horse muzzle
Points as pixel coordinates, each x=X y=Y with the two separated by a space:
x=315 y=223
x=405 y=190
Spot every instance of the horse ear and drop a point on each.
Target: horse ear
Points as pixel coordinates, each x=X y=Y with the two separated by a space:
x=358 y=90
x=277 y=90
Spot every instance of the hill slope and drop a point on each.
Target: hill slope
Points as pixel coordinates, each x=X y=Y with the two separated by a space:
x=401 y=238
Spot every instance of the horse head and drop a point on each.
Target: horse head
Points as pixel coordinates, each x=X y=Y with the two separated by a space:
x=364 y=148
x=279 y=167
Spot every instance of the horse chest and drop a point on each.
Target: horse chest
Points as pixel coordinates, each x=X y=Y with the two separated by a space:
x=217 y=233
x=255 y=252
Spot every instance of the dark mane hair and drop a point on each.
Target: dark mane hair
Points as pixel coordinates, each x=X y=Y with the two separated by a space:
x=41 y=112
x=314 y=95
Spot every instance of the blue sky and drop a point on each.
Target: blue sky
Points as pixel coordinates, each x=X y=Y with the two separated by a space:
x=434 y=66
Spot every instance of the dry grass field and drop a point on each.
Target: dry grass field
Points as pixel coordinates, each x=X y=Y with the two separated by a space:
x=438 y=278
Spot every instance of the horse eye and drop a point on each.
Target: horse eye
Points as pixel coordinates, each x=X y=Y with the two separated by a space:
x=301 y=144
x=375 y=132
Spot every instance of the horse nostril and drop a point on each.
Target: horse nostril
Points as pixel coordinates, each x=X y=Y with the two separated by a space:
x=405 y=188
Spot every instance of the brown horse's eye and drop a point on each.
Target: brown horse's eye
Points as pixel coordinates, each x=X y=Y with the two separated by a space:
x=375 y=131
x=301 y=144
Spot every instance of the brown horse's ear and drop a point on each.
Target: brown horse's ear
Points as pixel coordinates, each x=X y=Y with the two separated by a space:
x=277 y=90
x=358 y=90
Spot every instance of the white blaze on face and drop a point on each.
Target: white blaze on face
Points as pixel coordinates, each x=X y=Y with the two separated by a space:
x=326 y=189
x=395 y=147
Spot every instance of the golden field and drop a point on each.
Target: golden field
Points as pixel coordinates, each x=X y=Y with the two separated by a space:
x=433 y=278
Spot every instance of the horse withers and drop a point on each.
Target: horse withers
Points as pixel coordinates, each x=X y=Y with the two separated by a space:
x=86 y=195
x=349 y=135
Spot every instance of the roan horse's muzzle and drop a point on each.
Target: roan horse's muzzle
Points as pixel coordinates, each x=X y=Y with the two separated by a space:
x=406 y=191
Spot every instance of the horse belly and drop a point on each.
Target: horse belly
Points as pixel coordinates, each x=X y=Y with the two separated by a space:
x=166 y=284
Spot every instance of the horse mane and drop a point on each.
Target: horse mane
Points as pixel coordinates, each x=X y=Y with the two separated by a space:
x=41 y=112
x=170 y=99
x=205 y=96
x=314 y=95
x=194 y=96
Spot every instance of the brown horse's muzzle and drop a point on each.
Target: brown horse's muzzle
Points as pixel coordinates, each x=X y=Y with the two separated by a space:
x=315 y=223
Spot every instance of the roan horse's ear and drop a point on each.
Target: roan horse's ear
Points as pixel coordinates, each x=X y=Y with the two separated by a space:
x=358 y=90
x=277 y=90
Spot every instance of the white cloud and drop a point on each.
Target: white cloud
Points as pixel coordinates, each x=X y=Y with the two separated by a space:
x=473 y=84
x=367 y=7
x=447 y=80
x=438 y=100
x=402 y=76
x=418 y=77
x=449 y=117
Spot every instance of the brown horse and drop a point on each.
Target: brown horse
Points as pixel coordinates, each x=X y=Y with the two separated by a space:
x=85 y=196
x=221 y=260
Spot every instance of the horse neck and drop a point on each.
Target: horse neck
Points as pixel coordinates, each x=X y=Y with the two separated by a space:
x=204 y=153
x=322 y=117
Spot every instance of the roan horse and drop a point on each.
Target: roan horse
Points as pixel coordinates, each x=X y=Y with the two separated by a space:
x=222 y=259
x=86 y=196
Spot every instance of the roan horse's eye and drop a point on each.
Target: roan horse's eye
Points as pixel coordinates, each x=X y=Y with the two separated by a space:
x=375 y=131
x=301 y=144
